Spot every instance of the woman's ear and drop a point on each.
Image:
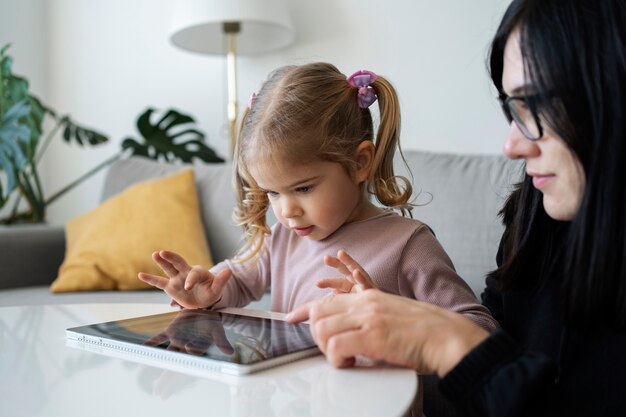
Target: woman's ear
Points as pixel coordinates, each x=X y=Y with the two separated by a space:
x=364 y=157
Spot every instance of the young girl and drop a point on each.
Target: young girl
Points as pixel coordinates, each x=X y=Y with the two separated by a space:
x=306 y=148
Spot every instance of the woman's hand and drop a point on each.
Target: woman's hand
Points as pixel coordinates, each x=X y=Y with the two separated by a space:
x=354 y=279
x=189 y=286
x=387 y=327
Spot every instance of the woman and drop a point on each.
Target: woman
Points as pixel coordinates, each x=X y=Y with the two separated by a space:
x=559 y=292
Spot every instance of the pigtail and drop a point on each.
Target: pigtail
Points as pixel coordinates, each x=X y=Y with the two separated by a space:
x=391 y=190
x=252 y=203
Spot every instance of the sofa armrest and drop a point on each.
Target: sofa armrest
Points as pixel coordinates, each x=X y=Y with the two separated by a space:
x=30 y=254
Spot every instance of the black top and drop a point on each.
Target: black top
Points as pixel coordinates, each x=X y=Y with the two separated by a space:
x=536 y=365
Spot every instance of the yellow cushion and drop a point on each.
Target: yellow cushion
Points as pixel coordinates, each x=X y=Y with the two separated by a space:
x=107 y=247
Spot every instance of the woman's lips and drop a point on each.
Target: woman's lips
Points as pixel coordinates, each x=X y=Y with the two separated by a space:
x=303 y=231
x=540 y=181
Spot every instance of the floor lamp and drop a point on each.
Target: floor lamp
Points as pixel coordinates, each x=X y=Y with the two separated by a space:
x=231 y=27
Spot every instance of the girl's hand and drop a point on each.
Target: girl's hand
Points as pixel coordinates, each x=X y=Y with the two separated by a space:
x=355 y=278
x=189 y=286
x=388 y=327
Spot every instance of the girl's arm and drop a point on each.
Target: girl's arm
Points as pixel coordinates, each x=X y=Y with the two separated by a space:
x=426 y=273
x=249 y=282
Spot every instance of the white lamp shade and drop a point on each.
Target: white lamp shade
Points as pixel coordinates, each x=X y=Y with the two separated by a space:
x=197 y=25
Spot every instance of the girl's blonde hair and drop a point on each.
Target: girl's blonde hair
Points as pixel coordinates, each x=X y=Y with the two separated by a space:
x=306 y=113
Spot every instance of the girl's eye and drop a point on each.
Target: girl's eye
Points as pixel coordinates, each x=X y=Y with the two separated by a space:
x=304 y=189
x=271 y=194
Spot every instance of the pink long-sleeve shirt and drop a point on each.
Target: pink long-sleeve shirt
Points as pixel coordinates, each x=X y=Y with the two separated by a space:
x=401 y=255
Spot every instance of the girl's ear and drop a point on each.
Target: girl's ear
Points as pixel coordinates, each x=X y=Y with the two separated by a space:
x=364 y=157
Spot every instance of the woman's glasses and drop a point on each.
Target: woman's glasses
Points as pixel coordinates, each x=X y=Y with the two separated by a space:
x=523 y=110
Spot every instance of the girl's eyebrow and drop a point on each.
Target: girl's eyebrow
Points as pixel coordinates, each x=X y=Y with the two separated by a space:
x=295 y=184
x=304 y=181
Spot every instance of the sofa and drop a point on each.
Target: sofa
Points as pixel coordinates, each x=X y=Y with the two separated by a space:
x=457 y=195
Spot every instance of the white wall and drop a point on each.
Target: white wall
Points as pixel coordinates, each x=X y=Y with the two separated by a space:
x=24 y=25
x=105 y=61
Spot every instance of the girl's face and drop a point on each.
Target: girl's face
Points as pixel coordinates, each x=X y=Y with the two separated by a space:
x=553 y=166
x=313 y=200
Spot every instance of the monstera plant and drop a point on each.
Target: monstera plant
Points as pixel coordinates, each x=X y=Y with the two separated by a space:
x=172 y=137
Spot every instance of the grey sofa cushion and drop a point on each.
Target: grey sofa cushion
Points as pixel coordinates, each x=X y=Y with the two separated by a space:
x=460 y=197
x=30 y=254
x=215 y=193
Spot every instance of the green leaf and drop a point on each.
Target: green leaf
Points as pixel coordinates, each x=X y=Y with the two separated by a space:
x=7 y=165
x=136 y=148
x=18 y=88
x=172 y=137
x=14 y=89
x=80 y=134
x=13 y=140
x=4 y=49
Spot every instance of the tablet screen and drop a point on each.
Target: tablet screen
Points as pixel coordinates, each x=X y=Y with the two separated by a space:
x=215 y=335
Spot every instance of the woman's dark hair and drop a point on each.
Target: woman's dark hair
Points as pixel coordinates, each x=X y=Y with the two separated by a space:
x=574 y=51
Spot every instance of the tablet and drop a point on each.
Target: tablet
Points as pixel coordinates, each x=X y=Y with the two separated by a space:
x=200 y=340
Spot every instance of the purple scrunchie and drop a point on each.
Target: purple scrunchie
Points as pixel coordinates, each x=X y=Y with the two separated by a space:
x=251 y=100
x=362 y=80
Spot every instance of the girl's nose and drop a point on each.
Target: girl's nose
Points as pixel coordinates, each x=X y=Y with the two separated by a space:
x=517 y=146
x=290 y=208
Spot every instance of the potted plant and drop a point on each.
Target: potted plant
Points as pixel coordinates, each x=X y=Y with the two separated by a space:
x=172 y=137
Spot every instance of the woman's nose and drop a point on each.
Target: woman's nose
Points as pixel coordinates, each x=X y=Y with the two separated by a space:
x=517 y=146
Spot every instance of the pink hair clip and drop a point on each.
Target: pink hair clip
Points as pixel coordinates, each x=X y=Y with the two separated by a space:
x=251 y=100
x=362 y=81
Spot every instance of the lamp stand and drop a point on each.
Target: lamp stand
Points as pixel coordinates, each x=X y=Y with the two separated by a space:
x=232 y=29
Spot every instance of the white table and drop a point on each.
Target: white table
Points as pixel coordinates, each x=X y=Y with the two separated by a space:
x=41 y=376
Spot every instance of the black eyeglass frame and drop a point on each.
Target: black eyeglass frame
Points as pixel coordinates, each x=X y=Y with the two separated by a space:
x=530 y=101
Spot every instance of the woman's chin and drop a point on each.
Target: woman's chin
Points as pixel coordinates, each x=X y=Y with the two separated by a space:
x=558 y=210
